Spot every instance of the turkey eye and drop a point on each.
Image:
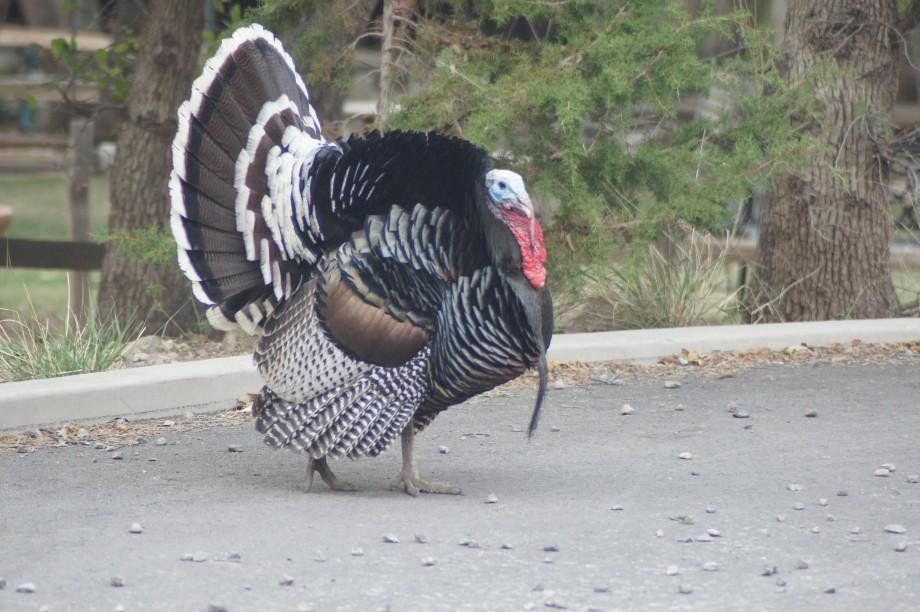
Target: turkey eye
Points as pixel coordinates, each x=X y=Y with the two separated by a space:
x=502 y=185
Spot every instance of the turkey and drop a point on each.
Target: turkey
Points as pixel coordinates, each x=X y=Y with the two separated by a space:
x=387 y=278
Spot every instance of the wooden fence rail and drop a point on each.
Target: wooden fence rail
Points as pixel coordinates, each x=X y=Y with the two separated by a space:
x=51 y=254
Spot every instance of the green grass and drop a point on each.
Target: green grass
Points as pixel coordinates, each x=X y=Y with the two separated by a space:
x=41 y=212
x=30 y=347
x=41 y=209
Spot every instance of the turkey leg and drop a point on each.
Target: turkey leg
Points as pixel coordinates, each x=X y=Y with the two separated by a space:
x=325 y=472
x=409 y=478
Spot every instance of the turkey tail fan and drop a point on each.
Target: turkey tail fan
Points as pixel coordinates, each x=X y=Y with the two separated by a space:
x=246 y=137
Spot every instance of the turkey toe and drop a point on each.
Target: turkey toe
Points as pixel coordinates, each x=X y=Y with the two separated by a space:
x=328 y=476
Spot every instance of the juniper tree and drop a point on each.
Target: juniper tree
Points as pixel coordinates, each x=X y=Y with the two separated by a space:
x=595 y=102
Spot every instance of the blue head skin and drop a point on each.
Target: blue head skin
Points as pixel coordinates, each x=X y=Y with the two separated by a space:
x=507 y=193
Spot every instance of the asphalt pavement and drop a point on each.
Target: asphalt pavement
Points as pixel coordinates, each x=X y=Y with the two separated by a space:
x=753 y=492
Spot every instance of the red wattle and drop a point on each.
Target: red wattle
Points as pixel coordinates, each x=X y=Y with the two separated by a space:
x=533 y=252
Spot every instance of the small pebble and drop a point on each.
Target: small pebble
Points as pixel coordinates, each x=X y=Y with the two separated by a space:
x=710 y=566
x=601 y=589
x=811 y=414
x=830 y=518
x=559 y=384
x=842 y=493
x=168 y=423
x=235 y=448
x=769 y=570
x=390 y=539
x=882 y=472
x=732 y=407
x=119 y=608
x=428 y=561
x=685 y=455
x=554 y=429
x=136 y=528
x=421 y=538
x=704 y=537
x=685 y=540
x=357 y=551
x=900 y=546
x=830 y=590
x=855 y=530
x=617 y=508
x=186 y=557
x=794 y=487
x=780 y=518
x=672 y=570
x=816 y=529
x=710 y=510
x=443 y=450
x=98 y=445
x=469 y=544
x=547 y=560
x=216 y=608
x=26 y=587
x=780 y=582
x=117 y=456
x=741 y=414
x=22 y=450
x=798 y=506
x=913 y=478
x=627 y=410
x=117 y=581
x=659 y=533
x=889 y=466
x=801 y=564
x=286 y=581
x=200 y=557
x=822 y=501
x=683 y=361
x=685 y=589
x=161 y=441
x=506 y=546
x=671 y=384
x=679 y=407
x=895 y=528
x=551 y=548
x=492 y=499
x=714 y=533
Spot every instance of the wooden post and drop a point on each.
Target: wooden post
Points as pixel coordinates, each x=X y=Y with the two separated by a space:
x=80 y=161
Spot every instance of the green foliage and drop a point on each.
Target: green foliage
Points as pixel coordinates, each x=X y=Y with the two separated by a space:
x=109 y=69
x=151 y=245
x=32 y=349
x=315 y=32
x=582 y=98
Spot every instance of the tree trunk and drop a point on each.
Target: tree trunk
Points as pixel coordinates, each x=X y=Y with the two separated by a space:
x=169 y=45
x=823 y=251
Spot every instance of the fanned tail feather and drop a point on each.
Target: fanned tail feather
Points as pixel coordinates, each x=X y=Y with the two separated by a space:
x=246 y=138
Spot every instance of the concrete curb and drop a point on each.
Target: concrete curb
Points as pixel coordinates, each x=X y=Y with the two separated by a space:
x=212 y=384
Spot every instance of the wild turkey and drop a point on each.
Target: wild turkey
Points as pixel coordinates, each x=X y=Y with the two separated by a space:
x=388 y=277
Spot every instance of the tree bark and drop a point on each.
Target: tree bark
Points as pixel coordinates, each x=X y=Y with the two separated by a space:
x=169 y=45
x=823 y=250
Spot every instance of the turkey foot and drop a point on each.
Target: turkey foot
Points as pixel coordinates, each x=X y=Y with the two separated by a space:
x=325 y=472
x=409 y=478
